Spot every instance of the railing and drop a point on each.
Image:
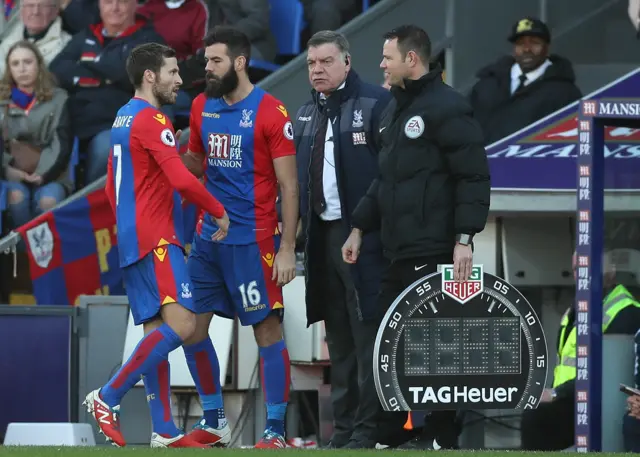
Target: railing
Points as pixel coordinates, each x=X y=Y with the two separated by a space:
x=8 y=243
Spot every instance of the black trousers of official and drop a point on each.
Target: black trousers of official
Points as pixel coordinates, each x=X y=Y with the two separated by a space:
x=631 y=433
x=550 y=427
x=441 y=425
x=350 y=343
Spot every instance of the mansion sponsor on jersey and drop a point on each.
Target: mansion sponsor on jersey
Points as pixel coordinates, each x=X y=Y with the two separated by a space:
x=463 y=394
x=225 y=150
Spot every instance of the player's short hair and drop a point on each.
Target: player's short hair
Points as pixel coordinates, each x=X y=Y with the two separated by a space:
x=411 y=38
x=148 y=56
x=330 y=37
x=237 y=42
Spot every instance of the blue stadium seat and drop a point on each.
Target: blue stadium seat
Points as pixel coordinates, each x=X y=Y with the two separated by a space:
x=287 y=22
x=74 y=160
x=3 y=203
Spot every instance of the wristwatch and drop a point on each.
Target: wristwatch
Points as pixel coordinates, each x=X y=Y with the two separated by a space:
x=464 y=239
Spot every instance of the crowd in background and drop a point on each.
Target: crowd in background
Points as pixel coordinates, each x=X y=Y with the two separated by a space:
x=63 y=79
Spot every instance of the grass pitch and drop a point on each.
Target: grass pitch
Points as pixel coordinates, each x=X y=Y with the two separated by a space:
x=108 y=451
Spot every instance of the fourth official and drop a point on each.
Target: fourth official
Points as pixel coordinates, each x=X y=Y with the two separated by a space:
x=431 y=196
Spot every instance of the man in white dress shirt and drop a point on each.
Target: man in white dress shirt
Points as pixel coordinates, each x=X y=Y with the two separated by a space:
x=336 y=136
x=517 y=90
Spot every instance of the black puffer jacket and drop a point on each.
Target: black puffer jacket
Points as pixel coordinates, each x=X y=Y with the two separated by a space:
x=434 y=176
x=501 y=114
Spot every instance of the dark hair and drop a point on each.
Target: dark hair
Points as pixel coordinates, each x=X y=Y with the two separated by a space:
x=411 y=38
x=148 y=56
x=237 y=42
x=329 y=37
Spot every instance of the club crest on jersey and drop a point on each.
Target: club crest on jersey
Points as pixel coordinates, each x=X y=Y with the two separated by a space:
x=186 y=293
x=166 y=136
x=246 y=121
x=357 y=119
x=462 y=291
x=41 y=244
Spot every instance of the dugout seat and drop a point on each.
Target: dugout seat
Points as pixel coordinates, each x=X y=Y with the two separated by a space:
x=287 y=23
x=3 y=204
x=74 y=161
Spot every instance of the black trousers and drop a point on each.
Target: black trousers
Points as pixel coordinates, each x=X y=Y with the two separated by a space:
x=441 y=425
x=350 y=343
x=631 y=433
x=550 y=427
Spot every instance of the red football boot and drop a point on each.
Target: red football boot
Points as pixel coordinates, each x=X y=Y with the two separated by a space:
x=204 y=434
x=106 y=418
x=271 y=440
x=176 y=441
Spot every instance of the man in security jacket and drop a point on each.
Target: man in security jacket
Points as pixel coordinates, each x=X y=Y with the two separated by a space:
x=550 y=427
x=336 y=143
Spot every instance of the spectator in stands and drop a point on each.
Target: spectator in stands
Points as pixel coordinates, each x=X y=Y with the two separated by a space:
x=36 y=136
x=550 y=427
x=77 y=15
x=518 y=90
x=328 y=14
x=634 y=14
x=40 y=25
x=11 y=17
x=183 y=25
x=92 y=69
x=251 y=17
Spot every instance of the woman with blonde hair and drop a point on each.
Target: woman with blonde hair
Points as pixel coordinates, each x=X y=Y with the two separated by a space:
x=35 y=134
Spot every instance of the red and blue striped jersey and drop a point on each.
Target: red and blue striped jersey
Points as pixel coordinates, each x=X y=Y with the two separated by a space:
x=240 y=143
x=148 y=210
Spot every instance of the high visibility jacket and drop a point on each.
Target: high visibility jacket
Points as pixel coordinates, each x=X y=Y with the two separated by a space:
x=565 y=370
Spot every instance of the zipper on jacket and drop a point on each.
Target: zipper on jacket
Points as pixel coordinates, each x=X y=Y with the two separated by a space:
x=309 y=205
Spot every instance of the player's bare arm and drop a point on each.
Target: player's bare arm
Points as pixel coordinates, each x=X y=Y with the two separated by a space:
x=284 y=266
x=194 y=163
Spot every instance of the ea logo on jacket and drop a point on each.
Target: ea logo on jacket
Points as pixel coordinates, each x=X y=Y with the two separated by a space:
x=414 y=127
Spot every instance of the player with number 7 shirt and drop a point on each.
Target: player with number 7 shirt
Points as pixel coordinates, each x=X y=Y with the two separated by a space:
x=144 y=171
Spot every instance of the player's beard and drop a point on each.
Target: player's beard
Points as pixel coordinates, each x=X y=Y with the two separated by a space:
x=219 y=87
x=164 y=95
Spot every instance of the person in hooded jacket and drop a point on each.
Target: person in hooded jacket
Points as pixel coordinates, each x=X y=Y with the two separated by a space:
x=518 y=90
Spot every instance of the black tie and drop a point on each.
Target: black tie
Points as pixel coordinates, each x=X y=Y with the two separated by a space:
x=523 y=79
x=317 y=167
